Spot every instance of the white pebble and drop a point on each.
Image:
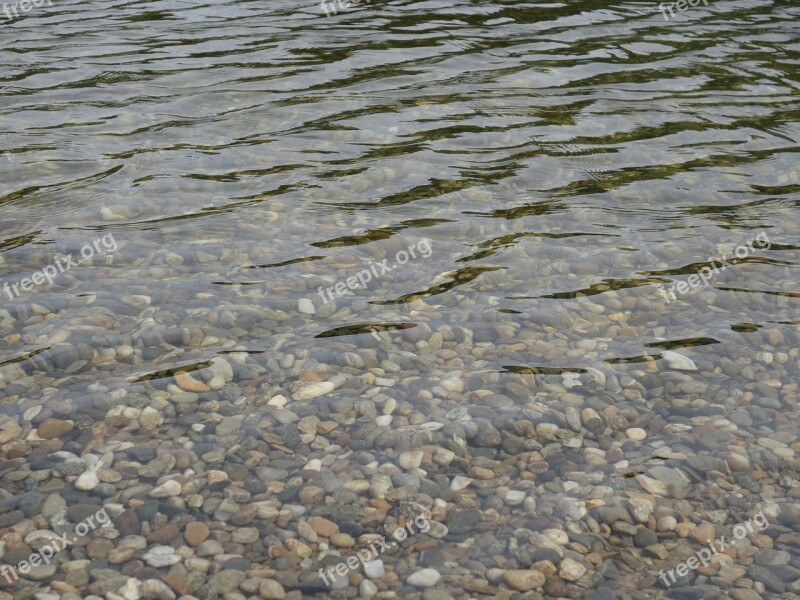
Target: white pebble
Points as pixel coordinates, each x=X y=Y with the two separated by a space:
x=87 y=481
x=424 y=578
x=636 y=434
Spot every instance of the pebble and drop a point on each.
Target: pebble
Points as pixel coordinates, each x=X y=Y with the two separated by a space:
x=314 y=390
x=424 y=578
x=523 y=580
x=189 y=384
x=167 y=489
x=636 y=434
x=161 y=556
x=87 y=481
x=678 y=361
x=571 y=570
x=54 y=428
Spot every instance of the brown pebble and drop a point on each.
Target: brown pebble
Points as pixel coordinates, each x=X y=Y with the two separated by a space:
x=50 y=429
x=323 y=527
x=195 y=533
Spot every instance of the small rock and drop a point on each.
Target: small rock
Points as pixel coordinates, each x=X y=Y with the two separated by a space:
x=195 y=533
x=424 y=578
x=374 y=569
x=189 y=384
x=305 y=306
x=86 y=481
x=156 y=590
x=226 y=581
x=167 y=489
x=50 y=429
x=410 y=460
x=524 y=580
x=571 y=570
x=313 y=390
x=636 y=434
x=271 y=590
x=161 y=556
x=678 y=361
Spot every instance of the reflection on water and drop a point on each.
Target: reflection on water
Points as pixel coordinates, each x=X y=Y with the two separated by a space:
x=570 y=428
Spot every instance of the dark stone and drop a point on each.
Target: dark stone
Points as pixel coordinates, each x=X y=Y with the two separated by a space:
x=238 y=563
x=127 y=523
x=79 y=512
x=645 y=537
x=351 y=528
x=142 y=454
x=147 y=510
x=768 y=577
x=288 y=494
x=546 y=554
x=462 y=521
x=11 y=518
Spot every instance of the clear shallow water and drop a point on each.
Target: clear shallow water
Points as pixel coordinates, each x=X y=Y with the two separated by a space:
x=564 y=160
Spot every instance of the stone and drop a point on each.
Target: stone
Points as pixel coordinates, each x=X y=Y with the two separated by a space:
x=313 y=390
x=271 y=590
x=571 y=570
x=374 y=569
x=462 y=521
x=323 y=527
x=150 y=418
x=156 y=590
x=523 y=580
x=161 y=556
x=230 y=425
x=636 y=434
x=189 y=384
x=424 y=578
x=50 y=429
x=209 y=548
x=644 y=537
x=167 y=489
x=410 y=460
x=195 y=533
x=87 y=481
x=10 y=430
x=678 y=361
x=226 y=581
x=305 y=306
x=127 y=523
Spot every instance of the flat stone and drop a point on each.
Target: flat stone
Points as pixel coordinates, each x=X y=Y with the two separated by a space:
x=50 y=429
x=189 y=384
x=462 y=521
x=523 y=580
x=86 y=481
x=269 y=589
x=226 y=581
x=571 y=570
x=161 y=556
x=644 y=537
x=195 y=533
x=424 y=578
x=313 y=390
x=168 y=489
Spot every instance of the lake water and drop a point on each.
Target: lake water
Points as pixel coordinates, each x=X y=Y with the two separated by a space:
x=275 y=284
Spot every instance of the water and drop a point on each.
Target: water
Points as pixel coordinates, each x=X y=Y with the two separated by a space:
x=561 y=172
